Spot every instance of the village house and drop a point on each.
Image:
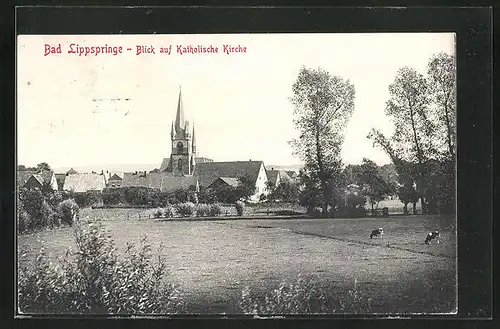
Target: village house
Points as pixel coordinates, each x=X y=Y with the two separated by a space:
x=115 y=180
x=36 y=179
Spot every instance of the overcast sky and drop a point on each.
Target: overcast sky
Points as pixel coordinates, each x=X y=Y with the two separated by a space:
x=239 y=103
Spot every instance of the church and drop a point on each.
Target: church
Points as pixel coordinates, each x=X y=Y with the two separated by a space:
x=185 y=170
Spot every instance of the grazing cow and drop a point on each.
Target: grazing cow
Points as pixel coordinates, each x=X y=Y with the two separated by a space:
x=378 y=232
x=432 y=236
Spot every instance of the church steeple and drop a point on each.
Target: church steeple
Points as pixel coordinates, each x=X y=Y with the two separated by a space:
x=179 y=118
x=172 y=131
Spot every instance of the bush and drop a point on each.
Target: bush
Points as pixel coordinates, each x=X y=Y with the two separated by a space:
x=37 y=212
x=202 y=210
x=215 y=209
x=185 y=209
x=240 y=207
x=68 y=211
x=87 y=199
x=158 y=213
x=168 y=211
x=299 y=298
x=95 y=281
x=113 y=196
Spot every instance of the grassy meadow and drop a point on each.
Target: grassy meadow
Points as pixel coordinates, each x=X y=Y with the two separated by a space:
x=212 y=261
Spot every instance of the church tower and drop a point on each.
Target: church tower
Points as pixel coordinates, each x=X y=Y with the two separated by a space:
x=183 y=143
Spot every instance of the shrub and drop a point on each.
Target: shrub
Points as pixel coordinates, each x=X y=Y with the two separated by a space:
x=215 y=209
x=185 y=209
x=113 y=196
x=168 y=211
x=158 y=213
x=38 y=213
x=87 y=199
x=240 y=207
x=202 y=210
x=300 y=297
x=95 y=281
x=67 y=211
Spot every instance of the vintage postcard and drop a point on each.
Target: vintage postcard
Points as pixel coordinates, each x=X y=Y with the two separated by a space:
x=261 y=174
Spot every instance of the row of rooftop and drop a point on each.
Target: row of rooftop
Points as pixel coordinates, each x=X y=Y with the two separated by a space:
x=206 y=175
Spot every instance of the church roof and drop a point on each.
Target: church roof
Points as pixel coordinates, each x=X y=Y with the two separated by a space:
x=208 y=172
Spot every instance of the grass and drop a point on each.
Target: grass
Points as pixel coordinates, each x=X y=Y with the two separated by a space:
x=214 y=261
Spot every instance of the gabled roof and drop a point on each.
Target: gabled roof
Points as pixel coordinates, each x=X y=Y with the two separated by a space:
x=284 y=176
x=292 y=174
x=134 y=179
x=115 y=176
x=84 y=182
x=38 y=178
x=23 y=176
x=208 y=172
x=230 y=181
x=42 y=176
x=272 y=176
x=166 y=182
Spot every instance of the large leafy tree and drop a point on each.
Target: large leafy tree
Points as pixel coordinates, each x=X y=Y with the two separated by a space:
x=373 y=185
x=323 y=104
x=441 y=75
x=43 y=166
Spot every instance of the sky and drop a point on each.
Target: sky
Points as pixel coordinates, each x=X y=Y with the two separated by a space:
x=109 y=110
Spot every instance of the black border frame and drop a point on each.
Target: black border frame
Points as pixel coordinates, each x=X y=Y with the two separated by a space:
x=474 y=31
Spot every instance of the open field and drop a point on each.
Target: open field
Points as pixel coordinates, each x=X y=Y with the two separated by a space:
x=213 y=261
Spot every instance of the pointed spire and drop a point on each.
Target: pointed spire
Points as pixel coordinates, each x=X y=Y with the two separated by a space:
x=194 y=141
x=179 y=118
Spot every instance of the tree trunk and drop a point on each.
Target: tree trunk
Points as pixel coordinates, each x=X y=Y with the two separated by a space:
x=414 y=208
x=405 y=208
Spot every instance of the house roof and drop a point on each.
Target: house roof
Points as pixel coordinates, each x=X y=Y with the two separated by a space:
x=291 y=173
x=272 y=175
x=38 y=177
x=72 y=171
x=166 y=182
x=84 y=182
x=285 y=176
x=23 y=176
x=115 y=176
x=230 y=181
x=208 y=172
x=42 y=176
x=173 y=183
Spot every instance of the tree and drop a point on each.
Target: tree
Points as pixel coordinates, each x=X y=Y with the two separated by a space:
x=323 y=104
x=405 y=170
x=441 y=72
x=246 y=187
x=374 y=186
x=287 y=191
x=43 y=166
